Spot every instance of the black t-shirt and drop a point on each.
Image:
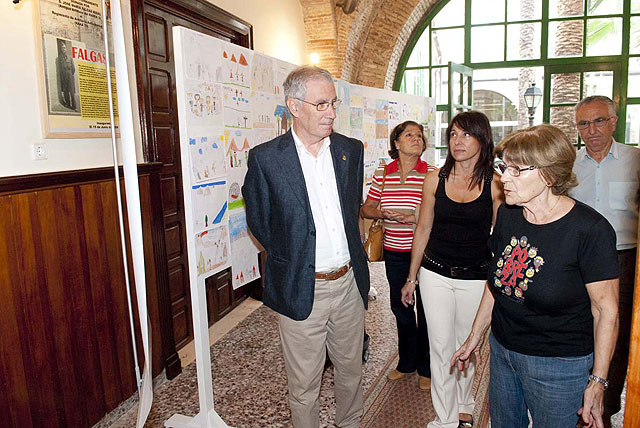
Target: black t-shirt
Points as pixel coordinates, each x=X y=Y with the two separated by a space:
x=538 y=276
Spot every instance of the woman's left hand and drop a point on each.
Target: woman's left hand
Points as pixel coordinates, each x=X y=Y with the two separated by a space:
x=593 y=406
x=398 y=216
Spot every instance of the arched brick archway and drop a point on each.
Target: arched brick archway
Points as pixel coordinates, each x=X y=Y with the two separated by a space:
x=365 y=46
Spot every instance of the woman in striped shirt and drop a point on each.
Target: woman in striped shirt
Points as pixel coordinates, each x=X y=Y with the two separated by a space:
x=396 y=203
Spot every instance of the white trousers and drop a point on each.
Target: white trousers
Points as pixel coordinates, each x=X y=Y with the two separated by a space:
x=336 y=326
x=450 y=306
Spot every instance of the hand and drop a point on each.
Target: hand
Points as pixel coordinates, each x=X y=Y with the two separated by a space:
x=463 y=354
x=395 y=215
x=593 y=406
x=407 y=294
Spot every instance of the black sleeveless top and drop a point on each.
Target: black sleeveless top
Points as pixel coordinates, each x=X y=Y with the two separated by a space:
x=460 y=231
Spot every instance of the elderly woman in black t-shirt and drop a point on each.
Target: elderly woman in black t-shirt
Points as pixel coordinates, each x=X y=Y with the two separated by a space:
x=551 y=297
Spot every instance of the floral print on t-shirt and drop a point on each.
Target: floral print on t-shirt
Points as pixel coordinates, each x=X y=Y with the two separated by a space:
x=517 y=265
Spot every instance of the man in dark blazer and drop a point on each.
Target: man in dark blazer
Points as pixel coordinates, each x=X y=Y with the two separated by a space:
x=302 y=193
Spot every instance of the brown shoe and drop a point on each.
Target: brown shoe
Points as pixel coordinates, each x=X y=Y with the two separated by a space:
x=396 y=375
x=424 y=383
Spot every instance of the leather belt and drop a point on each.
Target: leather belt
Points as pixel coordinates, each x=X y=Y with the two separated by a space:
x=628 y=250
x=333 y=275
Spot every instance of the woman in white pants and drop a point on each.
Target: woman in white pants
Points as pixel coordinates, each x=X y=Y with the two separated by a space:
x=459 y=204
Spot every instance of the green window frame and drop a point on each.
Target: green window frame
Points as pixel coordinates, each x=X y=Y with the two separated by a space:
x=629 y=18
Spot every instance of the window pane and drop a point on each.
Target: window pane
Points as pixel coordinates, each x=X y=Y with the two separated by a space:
x=416 y=82
x=450 y=15
x=561 y=8
x=420 y=55
x=634 y=43
x=565 y=88
x=565 y=38
x=486 y=11
x=635 y=7
x=520 y=10
x=604 y=36
x=633 y=124
x=447 y=45
x=604 y=7
x=634 y=77
x=563 y=118
x=498 y=94
x=440 y=85
x=598 y=83
x=487 y=43
x=523 y=41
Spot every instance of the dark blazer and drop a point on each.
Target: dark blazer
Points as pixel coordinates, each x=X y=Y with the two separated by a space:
x=279 y=216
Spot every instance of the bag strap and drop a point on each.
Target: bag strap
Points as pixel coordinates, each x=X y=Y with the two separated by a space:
x=384 y=178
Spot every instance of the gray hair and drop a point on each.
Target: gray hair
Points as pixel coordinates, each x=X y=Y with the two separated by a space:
x=595 y=99
x=295 y=85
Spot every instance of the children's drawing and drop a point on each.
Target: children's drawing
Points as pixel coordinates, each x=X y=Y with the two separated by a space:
x=237 y=148
x=281 y=70
x=235 y=66
x=236 y=180
x=355 y=99
x=207 y=155
x=263 y=135
x=283 y=118
x=244 y=253
x=212 y=250
x=209 y=201
x=204 y=104
x=263 y=110
x=198 y=66
x=356 y=118
x=237 y=107
x=262 y=73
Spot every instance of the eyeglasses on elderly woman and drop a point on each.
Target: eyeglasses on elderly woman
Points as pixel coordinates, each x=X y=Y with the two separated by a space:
x=501 y=167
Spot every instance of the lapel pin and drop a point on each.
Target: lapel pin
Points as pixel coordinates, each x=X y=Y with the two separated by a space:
x=344 y=157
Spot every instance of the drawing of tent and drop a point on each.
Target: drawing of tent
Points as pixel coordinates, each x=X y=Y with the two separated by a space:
x=242 y=60
x=245 y=145
x=283 y=116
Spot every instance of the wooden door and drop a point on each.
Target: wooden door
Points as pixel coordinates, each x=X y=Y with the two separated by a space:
x=159 y=117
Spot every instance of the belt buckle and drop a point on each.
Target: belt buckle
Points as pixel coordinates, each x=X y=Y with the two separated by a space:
x=457 y=271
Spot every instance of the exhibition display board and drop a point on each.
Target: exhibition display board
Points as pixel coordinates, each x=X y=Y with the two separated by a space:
x=231 y=99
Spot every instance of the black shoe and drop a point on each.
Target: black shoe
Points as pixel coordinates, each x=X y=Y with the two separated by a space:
x=465 y=424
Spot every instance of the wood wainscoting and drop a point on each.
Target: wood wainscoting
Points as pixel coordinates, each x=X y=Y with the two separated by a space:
x=66 y=357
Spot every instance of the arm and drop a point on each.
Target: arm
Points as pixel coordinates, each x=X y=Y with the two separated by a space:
x=480 y=326
x=255 y=192
x=604 y=307
x=497 y=195
x=421 y=234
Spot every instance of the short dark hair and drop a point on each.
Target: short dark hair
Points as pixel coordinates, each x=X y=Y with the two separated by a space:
x=477 y=124
x=397 y=131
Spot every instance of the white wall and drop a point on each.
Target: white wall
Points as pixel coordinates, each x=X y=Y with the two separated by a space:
x=278 y=26
x=278 y=30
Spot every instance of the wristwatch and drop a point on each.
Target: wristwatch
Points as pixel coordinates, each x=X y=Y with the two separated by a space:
x=601 y=381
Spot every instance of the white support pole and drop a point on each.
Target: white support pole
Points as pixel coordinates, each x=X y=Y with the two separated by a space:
x=134 y=214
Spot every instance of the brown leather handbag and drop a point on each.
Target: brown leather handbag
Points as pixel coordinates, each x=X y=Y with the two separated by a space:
x=373 y=244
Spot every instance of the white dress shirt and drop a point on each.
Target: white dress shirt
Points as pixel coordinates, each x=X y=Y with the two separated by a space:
x=611 y=187
x=332 y=249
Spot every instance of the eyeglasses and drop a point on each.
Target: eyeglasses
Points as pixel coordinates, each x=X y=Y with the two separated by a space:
x=599 y=122
x=501 y=167
x=324 y=105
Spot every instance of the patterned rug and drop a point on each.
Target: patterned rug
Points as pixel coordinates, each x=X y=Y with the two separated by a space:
x=401 y=404
x=250 y=383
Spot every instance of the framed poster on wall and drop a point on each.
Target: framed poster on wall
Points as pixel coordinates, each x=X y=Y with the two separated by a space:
x=72 y=69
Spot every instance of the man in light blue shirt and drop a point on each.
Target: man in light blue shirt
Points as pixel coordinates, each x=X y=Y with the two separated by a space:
x=608 y=180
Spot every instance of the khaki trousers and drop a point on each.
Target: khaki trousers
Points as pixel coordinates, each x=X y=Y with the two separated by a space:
x=336 y=323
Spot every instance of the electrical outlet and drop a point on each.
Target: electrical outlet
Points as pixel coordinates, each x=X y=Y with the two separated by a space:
x=39 y=151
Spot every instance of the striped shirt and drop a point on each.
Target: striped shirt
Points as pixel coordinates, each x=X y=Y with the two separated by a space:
x=398 y=196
